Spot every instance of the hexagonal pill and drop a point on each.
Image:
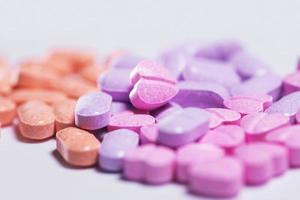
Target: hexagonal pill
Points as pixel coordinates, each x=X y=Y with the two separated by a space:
x=248 y=65
x=257 y=125
x=267 y=84
x=7 y=111
x=115 y=145
x=148 y=134
x=257 y=163
x=92 y=110
x=133 y=122
x=36 y=120
x=116 y=82
x=151 y=94
x=291 y=83
x=64 y=112
x=182 y=127
x=228 y=137
x=287 y=105
x=248 y=104
x=165 y=110
x=125 y=61
x=200 y=94
x=152 y=70
x=77 y=147
x=194 y=153
x=222 y=177
x=214 y=71
x=220 y=116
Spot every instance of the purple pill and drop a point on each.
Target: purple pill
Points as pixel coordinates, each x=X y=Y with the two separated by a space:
x=210 y=70
x=126 y=61
x=201 y=94
x=114 y=147
x=182 y=127
x=116 y=82
x=165 y=111
x=118 y=107
x=92 y=110
x=270 y=84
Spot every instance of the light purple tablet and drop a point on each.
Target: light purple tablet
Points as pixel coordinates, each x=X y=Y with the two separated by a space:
x=165 y=110
x=127 y=61
x=92 y=110
x=119 y=107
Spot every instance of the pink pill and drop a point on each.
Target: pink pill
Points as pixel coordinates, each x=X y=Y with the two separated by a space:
x=298 y=117
x=292 y=142
x=248 y=104
x=291 y=83
x=151 y=94
x=151 y=70
x=220 y=116
x=150 y=164
x=133 y=122
x=257 y=163
x=257 y=125
x=219 y=178
x=280 y=135
x=148 y=134
x=227 y=136
x=194 y=153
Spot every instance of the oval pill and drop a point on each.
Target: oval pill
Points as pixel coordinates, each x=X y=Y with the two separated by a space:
x=64 y=112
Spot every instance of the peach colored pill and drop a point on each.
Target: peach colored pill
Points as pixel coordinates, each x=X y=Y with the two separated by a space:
x=7 y=111
x=48 y=96
x=92 y=73
x=64 y=114
x=77 y=147
x=36 y=120
x=61 y=66
x=219 y=116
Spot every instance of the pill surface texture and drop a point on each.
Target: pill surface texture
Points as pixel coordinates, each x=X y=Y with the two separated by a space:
x=64 y=112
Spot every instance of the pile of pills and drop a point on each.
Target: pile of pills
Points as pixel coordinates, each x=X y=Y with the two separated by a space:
x=212 y=117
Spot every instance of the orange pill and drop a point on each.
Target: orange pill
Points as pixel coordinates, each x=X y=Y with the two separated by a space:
x=92 y=73
x=20 y=96
x=77 y=147
x=7 y=111
x=36 y=120
x=64 y=114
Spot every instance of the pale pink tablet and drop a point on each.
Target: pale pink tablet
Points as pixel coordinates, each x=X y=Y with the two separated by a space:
x=226 y=136
x=298 y=117
x=248 y=104
x=130 y=121
x=292 y=142
x=257 y=163
x=257 y=125
x=222 y=177
x=220 y=116
x=148 y=134
x=280 y=135
x=193 y=153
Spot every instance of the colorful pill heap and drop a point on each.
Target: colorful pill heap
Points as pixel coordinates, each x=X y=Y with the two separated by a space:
x=212 y=117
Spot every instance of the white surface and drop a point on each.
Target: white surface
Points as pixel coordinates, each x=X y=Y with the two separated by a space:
x=270 y=29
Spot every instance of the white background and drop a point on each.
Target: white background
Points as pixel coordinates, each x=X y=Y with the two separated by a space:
x=270 y=29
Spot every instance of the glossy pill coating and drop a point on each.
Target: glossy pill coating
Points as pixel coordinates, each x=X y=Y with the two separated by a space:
x=130 y=121
x=7 y=111
x=200 y=94
x=64 y=112
x=148 y=134
x=193 y=153
x=115 y=145
x=182 y=127
x=77 y=147
x=222 y=177
x=92 y=110
x=220 y=116
x=36 y=120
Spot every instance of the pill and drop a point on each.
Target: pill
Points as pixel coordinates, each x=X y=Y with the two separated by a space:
x=77 y=147
x=116 y=82
x=115 y=145
x=266 y=84
x=210 y=70
x=257 y=125
x=125 y=61
x=280 y=135
x=61 y=66
x=51 y=97
x=220 y=116
x=298 y=117
x=8 y=78
x=291 y=83
x=165 y=111
x=287 y=105
x=148 y=134
x=91 y=73
x=228 y=137
x=7 y=111
x=293 y=145
x=200 y=94
x=92 y=110
x=248 y=66
x=193 y=153
x=247 y=104
x=257 y=163
x=222 y=177
x=36 y=120
x=64 y=112
x=182 y=127
x=118 y=107
x=133 y=122
x=152 y=70
x=152 y=165
x=151 y=94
